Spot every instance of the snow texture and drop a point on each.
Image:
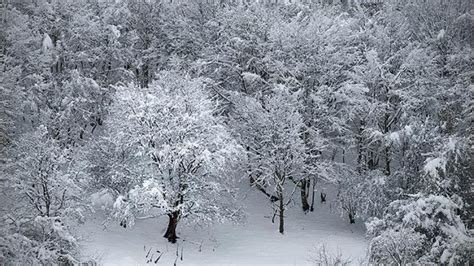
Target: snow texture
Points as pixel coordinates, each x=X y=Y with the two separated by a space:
x=255 y=241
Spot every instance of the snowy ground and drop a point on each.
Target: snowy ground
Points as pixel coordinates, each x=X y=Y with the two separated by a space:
x=255 y=241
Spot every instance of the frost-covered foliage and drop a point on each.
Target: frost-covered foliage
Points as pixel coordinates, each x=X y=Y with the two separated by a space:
x=359 y=195
x=41 y=241
x=282 y=154
x=271 y=131
x=42 y=195
x=322 y=256
x=75 y=109
x=182 y=155
x=400 y=246
x=41 y=171
x=423 y=229
x=372 y=98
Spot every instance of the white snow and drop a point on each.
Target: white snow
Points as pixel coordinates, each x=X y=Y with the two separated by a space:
x=395 y=137
x=251 y=77
x=47 y=43
x=408 y=130
x=433 y=165
x=102 y=200
x=451 y=145
x=118 y=202
x=376 y=134
x=115 y=31
x=255 y=241
x=441 y=34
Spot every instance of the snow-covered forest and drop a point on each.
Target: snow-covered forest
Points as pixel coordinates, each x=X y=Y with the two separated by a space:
x=138 y=132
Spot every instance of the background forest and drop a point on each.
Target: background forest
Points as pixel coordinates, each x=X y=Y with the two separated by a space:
x=165 y=106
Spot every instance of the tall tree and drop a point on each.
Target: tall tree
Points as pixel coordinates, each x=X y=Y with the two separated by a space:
x=185 y=153
x=272 y=132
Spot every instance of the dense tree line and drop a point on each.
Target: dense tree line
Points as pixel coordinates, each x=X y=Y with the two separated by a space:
x=164 y=105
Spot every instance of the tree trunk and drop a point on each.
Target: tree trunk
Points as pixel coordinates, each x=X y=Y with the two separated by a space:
x=172 y=224
x=281 y=210
x=360 y=152
x=145 y=76
x=387 y=160
x=351 y=218
x=282 y=218
x=253 y=182
x=312 y=198
x=304 y=195
x=343 y=156
x=323 y=197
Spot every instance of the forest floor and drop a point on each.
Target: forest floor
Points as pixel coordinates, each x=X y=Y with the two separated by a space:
x=254 y=241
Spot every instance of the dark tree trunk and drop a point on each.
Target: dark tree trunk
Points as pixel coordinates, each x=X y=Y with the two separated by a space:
x=304 y=195
x=282 y=217
x=387 y=160
x=323 y=197
x=145 y=76
x=351 y=218
x=360 y=152
x=46 y=199
x=47 y=205
x=281 y=210
x=171 y=230
x=262 y=189
x=312 y=198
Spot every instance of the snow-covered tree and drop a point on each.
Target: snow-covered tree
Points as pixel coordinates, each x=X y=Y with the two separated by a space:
x=361 y=196
x=399 y=246
x=422 y=229
x=43 y=196
x=73 y=110
x=183 y=154
x=271 y=130
x=38 y=241
x=372 y=98
x=42 y=173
